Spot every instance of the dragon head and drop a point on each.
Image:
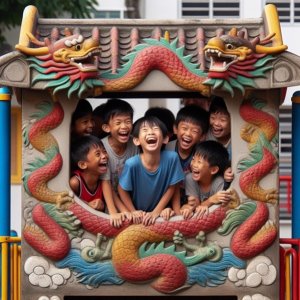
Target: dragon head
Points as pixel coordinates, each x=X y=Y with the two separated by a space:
x=226 y=50
x=70 y=63
x=236 y=61
x=79 y=52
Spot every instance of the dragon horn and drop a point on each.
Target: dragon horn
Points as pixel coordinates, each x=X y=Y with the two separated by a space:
x=274 y=35
x=32 y=51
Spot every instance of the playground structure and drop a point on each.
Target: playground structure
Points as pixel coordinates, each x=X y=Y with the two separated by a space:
x=57 y=62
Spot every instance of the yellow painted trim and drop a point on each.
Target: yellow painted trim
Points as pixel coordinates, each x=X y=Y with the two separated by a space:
x=5 y=97
x=296 y=99
x=4 y=271
x=16 y=137
x=9 y=239
x=287 y=277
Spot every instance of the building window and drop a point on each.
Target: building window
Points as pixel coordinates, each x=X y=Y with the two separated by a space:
x=107 y=14
x=288 y=10
x=205 y=9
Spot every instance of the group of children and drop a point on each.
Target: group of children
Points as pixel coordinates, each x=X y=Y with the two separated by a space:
x=134 y=171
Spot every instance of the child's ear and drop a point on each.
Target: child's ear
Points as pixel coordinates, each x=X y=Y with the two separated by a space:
x=106 y=128
x=166 y=139
x=214 y=170
x=136 y=141
x=82 y=165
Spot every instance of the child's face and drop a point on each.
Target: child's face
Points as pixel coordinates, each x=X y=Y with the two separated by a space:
x=220 y=125
x=188 y=134
x=201 y=169
x=84 y=125
x=96 y=160
x=150 y=138
x=119 y=127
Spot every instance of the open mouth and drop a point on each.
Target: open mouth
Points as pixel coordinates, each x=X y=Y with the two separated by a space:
x=103 y=167
x=219 y=61
x=88 y=62
x=151 y=140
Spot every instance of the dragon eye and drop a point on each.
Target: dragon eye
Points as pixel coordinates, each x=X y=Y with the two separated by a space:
x=230 y=47
x=77 y=47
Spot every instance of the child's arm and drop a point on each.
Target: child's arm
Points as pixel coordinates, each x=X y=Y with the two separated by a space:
x=150 y=217
x=121 y=207
x=137 y=215
x=188 y=208
x=228 y=178
x=221 y=197
x=74 y=184
x=168 y=212
x=116 y=218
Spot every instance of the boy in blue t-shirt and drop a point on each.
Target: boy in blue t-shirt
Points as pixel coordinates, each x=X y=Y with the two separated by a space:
x=148 y=181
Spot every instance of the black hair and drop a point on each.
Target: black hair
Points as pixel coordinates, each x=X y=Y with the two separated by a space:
x=98 y=114
x=81 y=147
x=99 y=110
x=194 y=114
x=215 y=154
x=82 y=109
x=114 y=107
x=164 y=114
x=218 y=105
x=151 y=121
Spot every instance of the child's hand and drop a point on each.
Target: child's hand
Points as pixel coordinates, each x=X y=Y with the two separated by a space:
x=97 y=204
x=137 y=216
x=228 y=175
x=167 y=213
x=220 y=197
x=150 y=217
x=200 y=211
x=117 y=219
x=193 y=202
x=187 y=212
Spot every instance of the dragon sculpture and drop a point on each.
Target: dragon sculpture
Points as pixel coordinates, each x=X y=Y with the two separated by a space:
x=136 y=253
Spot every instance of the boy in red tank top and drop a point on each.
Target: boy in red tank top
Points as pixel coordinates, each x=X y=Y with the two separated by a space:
x=90 y=162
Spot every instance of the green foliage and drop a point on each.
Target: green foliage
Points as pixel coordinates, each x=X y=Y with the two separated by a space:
x=11 y=11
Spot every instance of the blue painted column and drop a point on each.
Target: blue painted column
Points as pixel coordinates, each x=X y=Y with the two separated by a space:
x=5 y=116
x=5 y=106
x=296 y=165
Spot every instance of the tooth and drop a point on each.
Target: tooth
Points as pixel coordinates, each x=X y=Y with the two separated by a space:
x=224 y=64
x=219 y=54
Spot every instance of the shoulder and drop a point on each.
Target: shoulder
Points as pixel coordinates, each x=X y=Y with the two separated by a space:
x=171 y=146
x=133 y=160
x=169 y=154
x=74 y=183
x=131 y=147
x=218 y=183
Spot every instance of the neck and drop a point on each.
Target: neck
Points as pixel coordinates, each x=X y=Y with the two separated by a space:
x=118 y=148
x=150 y=161
x=91 y=179
x=184 y=153
x=224 y=140
x=205 y=184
